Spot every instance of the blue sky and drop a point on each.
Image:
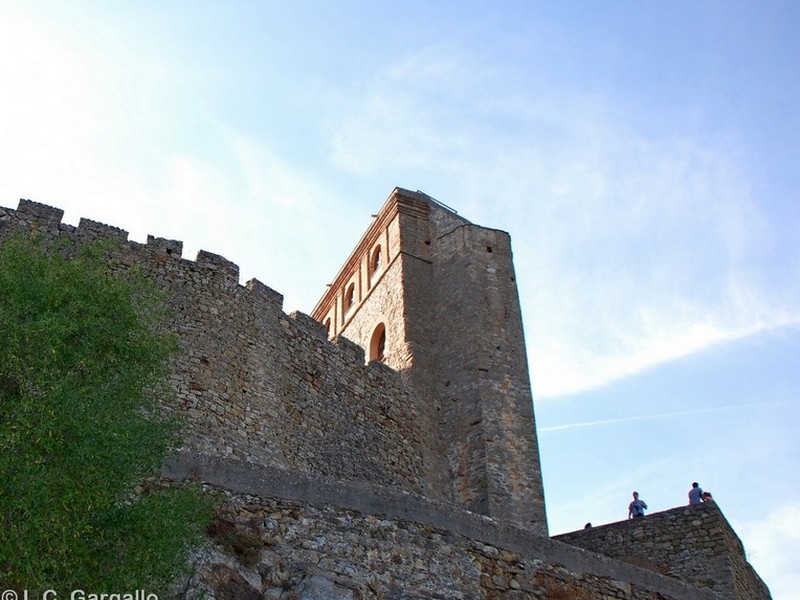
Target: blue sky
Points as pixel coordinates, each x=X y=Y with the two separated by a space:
x=642 y=155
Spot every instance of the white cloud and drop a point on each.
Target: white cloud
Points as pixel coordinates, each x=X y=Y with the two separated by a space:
x=89 y=125
x=49 y=114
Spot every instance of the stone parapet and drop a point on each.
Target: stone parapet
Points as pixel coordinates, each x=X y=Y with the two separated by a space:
x=693 y=543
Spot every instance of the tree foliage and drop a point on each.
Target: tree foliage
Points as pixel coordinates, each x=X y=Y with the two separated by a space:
x=82 y=369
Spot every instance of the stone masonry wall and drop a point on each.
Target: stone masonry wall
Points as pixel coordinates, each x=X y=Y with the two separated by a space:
x=487 y=404
x=382 y=304
x=257 y=384
x=692 y=543
x=282 y=536
x=385 y=304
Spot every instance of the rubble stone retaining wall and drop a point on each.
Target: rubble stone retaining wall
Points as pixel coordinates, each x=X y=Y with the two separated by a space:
x=284 y=535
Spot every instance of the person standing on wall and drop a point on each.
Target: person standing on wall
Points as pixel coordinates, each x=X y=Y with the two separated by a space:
x=637 y=507
x=695 y=494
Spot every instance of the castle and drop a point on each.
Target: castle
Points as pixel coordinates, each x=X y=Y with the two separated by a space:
x=385 y=445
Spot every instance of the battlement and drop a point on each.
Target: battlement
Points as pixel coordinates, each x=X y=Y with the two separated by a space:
x=46 y=221
x=257 y=384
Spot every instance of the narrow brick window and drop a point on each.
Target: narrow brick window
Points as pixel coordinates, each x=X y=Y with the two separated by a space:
x=375 y=261
x=377 y=345
x=349 y=296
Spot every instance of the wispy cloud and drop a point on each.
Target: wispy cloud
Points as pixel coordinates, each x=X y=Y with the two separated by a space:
x=405 y=118
x=636 y=245
x=268 y=179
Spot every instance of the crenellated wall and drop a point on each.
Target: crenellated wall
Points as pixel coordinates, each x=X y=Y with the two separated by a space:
x=257 y=384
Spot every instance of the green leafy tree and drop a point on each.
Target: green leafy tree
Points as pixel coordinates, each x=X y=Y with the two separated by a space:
x=83 y=363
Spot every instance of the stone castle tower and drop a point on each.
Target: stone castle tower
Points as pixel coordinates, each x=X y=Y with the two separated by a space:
x=435 y=297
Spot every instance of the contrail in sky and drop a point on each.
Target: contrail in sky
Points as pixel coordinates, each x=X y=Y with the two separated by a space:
x=652 y=417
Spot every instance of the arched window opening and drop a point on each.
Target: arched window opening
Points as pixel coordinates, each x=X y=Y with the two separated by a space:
x=377 y=345
x=349 y=296
x=375 y=261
